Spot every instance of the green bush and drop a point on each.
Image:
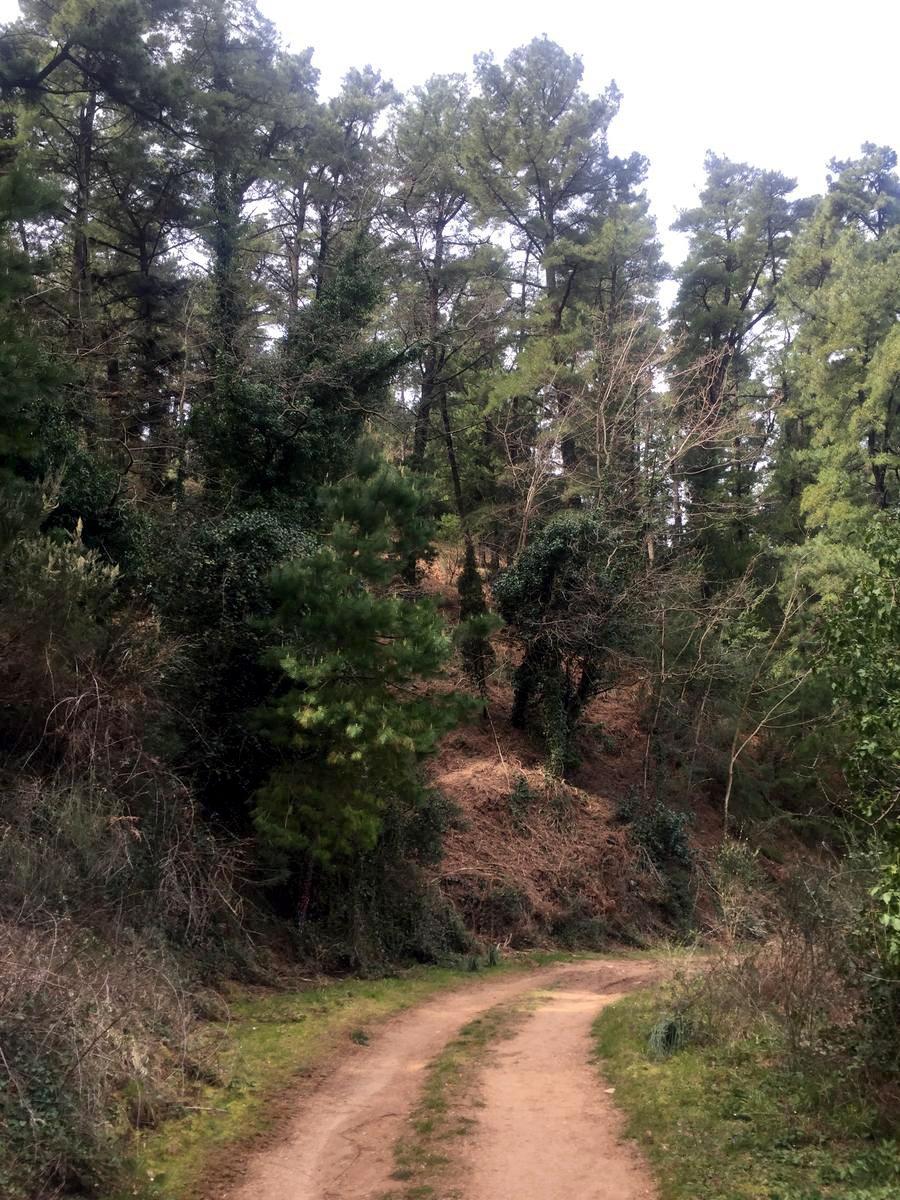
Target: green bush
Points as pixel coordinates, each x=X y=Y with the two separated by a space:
x=380 y=908
x=669 y=1034
x=578 y=927
x=662 y=831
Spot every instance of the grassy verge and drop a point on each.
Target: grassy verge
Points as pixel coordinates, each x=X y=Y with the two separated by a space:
x=449 y=1102
x=728 y=1122
x=269 y=1041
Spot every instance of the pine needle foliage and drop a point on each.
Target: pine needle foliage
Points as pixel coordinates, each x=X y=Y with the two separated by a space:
x=862 y=638
x=351 y=723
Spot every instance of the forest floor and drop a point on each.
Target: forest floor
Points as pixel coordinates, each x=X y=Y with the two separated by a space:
x=482 y=1093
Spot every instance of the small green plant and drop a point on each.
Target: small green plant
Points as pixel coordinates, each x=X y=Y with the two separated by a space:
x=520 y=802
x=662 y=831
x=359 y=1037
x=669 y=1034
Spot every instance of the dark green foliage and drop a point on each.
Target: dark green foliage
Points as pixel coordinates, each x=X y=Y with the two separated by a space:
x=578 y=927
x=842 y=288
x=379 y=908
x=475 y=623
x=740 y=237
x=26 y=373
x=664 y=834
x=352 y=722
x=862 y=636
x=497 y=908
x=564 y=599
x=276 y=438
x=210 y=580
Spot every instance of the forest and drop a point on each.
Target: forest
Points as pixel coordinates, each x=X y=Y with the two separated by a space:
x=331 y=426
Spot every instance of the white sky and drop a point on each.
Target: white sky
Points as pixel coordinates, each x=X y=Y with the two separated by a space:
x=782 y=84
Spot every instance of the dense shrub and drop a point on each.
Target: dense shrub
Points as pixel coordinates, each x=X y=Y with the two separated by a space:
x=80 y=1016
x=814 y=984
x=382 y=908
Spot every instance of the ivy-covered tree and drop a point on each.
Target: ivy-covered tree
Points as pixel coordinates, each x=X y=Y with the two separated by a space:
x=862 y=636
x=565 y=600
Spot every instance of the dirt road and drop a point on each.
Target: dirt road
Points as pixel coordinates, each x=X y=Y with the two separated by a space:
x=548 y=1130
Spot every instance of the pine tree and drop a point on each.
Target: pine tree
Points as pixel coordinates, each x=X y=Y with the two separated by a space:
x=270 y=436
x=842 y=289
x=584 y=248
x=26 y=374
x=862 y=633
x=352 y=721
x=740 y=235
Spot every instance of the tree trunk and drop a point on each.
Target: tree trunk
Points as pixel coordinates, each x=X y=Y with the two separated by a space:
x=81 y=283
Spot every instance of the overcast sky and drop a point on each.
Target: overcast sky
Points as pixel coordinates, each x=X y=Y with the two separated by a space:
x=784 y=85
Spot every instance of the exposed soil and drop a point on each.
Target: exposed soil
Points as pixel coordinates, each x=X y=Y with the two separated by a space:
x=526 y=871
x=549 y=1130
x=339 y=1143
x=537 y=873
x=559 y=868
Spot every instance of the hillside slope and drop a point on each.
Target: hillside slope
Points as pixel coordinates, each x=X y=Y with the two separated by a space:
x=535 y=860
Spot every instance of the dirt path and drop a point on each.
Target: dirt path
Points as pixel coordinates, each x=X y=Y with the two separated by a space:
x=340 y=1143
x=548 y=1130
